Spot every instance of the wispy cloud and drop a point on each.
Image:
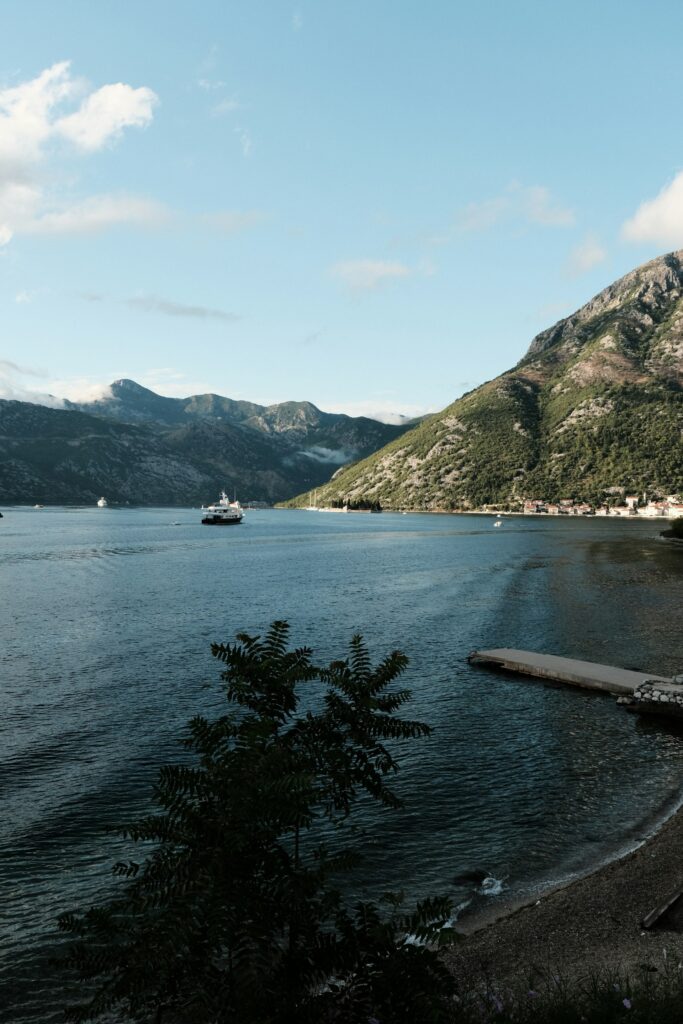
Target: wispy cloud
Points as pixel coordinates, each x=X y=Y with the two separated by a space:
x=367 y=275
x=34 y=125
x=244 y=141
x=588 y=254
x=534 y=204
x=209 y=85
x=228 y=105
x=312 y=338
x=155 y=304
x=483 y=215
x=386 y=410
x=230 y=222
x=660 y=219
x=97 y=213
x=297 y=21
x=8 y=367
x=14 y=388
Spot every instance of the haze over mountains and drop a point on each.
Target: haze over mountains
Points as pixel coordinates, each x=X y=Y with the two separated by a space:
x=596 y=403
x=139 y=447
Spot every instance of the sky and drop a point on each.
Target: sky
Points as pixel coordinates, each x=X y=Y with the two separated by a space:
x=372 y=205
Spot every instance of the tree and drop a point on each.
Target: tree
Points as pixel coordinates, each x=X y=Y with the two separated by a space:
x=236 y=912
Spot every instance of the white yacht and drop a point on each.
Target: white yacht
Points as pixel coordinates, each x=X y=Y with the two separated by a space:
x=101 y=502
x=223 y=512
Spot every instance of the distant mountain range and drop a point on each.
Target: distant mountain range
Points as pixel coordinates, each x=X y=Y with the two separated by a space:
x=139 y=447
x=595 y=405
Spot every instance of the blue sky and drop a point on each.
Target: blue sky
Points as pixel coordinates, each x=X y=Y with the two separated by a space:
x=370 y=205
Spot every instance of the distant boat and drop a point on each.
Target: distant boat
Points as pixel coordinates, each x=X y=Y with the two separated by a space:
x=101 y=502
x=223 y=512
x=498 y=522
x=39 y=506
x=314 y=506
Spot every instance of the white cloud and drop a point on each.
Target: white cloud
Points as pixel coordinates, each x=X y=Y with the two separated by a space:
x=99 y=212
x=297 y=21
x=660 y=219
x=33 y=125
x=96 y=214
x=105 y=113
x=366 y=275
x=384 y=410
x=81 y=389
x=26 y=120
x=531 y=203
x=328 y=456
x=588 y=254
x=229 y=222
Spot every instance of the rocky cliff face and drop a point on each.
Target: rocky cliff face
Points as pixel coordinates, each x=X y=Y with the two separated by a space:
x=597 y=402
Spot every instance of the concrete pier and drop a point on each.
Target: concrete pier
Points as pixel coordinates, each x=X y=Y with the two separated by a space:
x=585 y=674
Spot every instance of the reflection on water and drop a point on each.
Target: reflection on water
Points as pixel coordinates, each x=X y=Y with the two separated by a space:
x=105 y=658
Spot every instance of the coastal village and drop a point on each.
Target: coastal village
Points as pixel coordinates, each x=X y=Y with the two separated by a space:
x=632 y=505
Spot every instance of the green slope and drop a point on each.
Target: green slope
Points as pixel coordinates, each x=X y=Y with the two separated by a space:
x=596 y=403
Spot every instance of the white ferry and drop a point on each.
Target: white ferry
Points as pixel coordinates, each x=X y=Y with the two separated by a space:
x=101 y=502
x=223 y=512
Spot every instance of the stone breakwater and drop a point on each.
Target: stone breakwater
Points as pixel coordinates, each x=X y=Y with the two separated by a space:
x=662 y=698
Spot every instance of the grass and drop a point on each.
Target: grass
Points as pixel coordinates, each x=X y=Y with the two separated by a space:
x=648 y=996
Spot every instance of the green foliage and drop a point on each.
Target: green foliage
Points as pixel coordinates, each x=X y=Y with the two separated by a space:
x=675 y=529
x=235 y=912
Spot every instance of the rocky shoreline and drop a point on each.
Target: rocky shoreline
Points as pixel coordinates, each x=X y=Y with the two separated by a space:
x=590 y=924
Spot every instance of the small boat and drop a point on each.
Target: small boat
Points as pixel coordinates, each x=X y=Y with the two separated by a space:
x=39 y=506
x=223 y=512
x=101 y=502
x=498 y=522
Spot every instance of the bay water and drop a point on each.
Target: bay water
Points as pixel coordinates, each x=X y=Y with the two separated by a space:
x=106 y=621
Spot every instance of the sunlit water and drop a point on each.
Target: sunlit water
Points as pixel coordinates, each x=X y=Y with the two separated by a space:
x=106 y=619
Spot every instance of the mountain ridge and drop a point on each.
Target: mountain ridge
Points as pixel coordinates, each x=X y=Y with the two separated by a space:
x=139 y=447
x=595 y=402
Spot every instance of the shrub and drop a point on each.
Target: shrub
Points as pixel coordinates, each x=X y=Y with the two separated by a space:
x=236 y=914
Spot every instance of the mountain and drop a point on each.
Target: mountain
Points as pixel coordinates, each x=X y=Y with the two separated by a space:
x=139 y=447
x=324 y=437
x=595 y=404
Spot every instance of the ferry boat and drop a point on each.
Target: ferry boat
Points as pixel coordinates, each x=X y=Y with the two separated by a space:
x=223 y=512
x=101 y=502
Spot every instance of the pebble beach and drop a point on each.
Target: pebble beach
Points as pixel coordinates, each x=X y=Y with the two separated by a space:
x=592 y=923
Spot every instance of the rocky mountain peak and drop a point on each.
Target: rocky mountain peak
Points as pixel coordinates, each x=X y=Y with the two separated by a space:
x=128 y=387
x=643 y=297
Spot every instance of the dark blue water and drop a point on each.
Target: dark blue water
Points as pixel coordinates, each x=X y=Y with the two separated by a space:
x=106 y=617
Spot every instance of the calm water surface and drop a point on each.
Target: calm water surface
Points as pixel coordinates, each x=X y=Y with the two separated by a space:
x=106 y=619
